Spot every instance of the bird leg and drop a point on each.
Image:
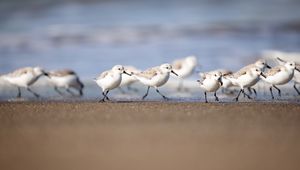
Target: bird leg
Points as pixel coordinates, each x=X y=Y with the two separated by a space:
x=103 y=99
x=249 y=90
x=279 y=91
x=81 y=92
x=296 y=89
x=59 y=92
x=146 y=93
x=271 y=93
x=35 y=94
x=161 y=94
x=237 y=97
x=19 y=92
x=106 y=95
x=216 y=97
x=205 y=96
x=69 y=91
x=246 y=94
x=254 y=91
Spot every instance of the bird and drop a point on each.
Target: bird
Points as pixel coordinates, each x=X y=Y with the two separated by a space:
x=245 y=78
x=66 y=79
x=296 y=78
x=184 y=67
x=110 y=79
x=155 y=77
x=127 y=80
x=226 y=83
x=260 y=64
x=280 y=75
x=211 y=82
x=25 y=77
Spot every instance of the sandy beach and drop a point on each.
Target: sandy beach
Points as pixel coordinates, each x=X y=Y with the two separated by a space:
x=149 y=135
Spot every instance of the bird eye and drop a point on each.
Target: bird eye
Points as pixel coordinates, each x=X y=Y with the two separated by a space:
x=291 y=64
x=256 y=70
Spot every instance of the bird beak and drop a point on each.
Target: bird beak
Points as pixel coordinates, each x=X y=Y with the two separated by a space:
x=297 y=69
x=126 y=73
x=269 y=67
x=47 y=75
x=174 y=72
x=220 y=81
x=279 y=59
x=262 y=74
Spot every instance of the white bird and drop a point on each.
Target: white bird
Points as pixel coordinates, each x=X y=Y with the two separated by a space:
x=261 y=64
x=184 y=68
x=280 y=75
x=296 y=78
x=155 y=77
x=110 y=79
x=129 y=80
x=245 y=78
x=25 y=77
x=66 y=79
x=211 y=82
x=226 y=83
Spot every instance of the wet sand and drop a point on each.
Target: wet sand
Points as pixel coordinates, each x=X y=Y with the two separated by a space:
x=149 y=135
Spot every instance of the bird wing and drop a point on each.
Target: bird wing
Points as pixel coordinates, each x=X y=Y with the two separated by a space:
x=225 y=72
x=61 y=73
x=273 y=70
x=240 y=73
x=21 y=71
x=247 y=67
x=149 y=73
x=103 y=75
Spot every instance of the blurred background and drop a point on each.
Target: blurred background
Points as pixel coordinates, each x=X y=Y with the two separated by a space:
x=90 y=36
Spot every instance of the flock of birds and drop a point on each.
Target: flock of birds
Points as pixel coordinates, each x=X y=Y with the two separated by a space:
x=156 y=77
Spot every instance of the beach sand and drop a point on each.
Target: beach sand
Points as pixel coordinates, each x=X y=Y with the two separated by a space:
x=149 y=135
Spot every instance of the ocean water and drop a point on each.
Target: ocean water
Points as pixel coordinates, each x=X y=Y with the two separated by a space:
x=92 y=36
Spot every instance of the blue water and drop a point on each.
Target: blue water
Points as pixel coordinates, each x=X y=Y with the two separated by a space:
x=92 y=36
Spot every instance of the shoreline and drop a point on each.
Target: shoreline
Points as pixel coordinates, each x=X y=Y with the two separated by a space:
x=85 y=111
